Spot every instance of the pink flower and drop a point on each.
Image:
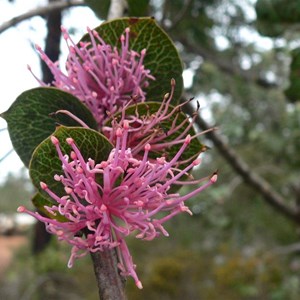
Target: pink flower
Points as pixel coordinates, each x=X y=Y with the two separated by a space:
x=162 y=129
x=102 y=77
x=132 y=193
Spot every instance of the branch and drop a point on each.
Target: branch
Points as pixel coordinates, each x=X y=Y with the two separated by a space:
x=116 y=9
x=225 y=65
x=251 y=178
x=52 y=47
x=180 y=15
x=40 y=11
x=110 y=283
x=290 y=249
x=6 y=155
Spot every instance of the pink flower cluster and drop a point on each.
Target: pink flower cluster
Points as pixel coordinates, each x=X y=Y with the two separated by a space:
x=132 y=193
x=149 y=127
x=135 y=195
x=102 y=77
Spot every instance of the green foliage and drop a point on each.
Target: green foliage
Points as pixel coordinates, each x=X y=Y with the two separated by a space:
x=200 y=260
x=264 y=28
x=46 y=276
x=293 y=91
x=236 y=264
x=237 y=273
x=196 y=24
x=277 y=11
x=165 y=275
x=30 y=118
x=162 y=57
x=274 y=16
x=45 y=162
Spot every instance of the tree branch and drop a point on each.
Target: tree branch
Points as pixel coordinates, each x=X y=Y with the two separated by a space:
x=52 y=47
x=286 y=250
x=6 y=155
x=224 y=65
x=251 y=178
x=180 y=15
x=116 y=9
x=40 y=11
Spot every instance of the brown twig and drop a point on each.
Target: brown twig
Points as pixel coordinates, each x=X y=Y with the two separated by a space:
x=243 y=169
x=40 y=11
x=110 y=283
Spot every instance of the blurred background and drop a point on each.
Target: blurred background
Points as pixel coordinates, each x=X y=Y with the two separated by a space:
x=242 y=63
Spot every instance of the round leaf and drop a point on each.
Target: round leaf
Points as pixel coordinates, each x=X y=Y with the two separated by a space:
x=45 y=162
x=30 y=121
x=161 y=59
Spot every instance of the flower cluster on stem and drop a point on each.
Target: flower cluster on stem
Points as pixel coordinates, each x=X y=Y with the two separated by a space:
x=132 y=191
x=129 y=193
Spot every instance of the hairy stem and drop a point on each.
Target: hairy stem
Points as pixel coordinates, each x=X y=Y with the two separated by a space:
x=40 y=11
x=110 y=283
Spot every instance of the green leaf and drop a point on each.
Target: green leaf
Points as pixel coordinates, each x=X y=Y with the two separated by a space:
x=162 y=58
x=149 y=108
x=29 y=122
x=45 y=162
x=39 y=201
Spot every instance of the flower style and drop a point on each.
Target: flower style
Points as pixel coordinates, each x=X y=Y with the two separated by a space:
x=131 y=193
x=102 y=77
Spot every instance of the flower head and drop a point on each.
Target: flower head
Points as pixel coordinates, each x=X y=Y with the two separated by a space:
x=163 y=127
x=101 y=213
x=101 y=76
